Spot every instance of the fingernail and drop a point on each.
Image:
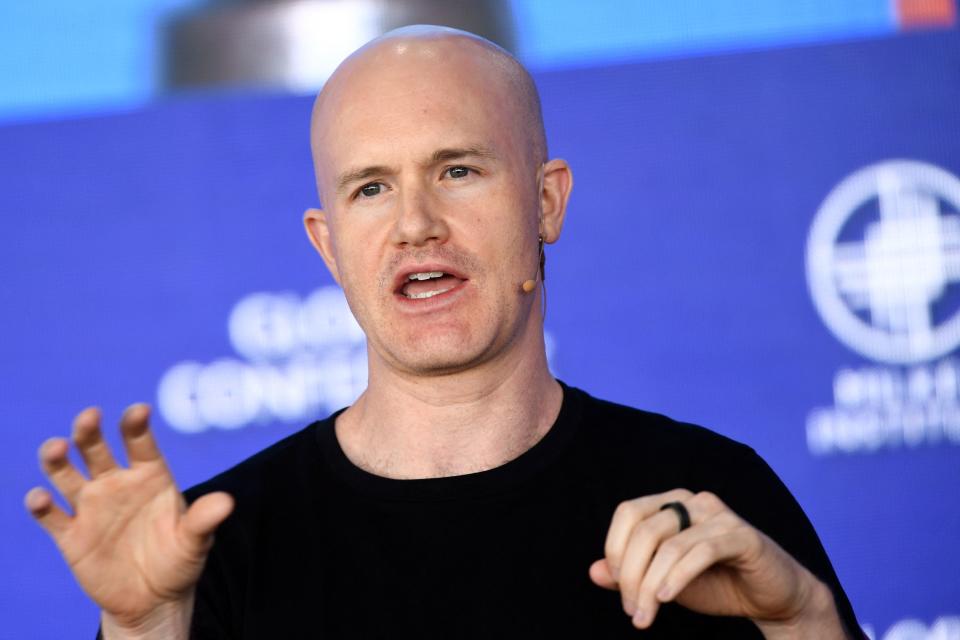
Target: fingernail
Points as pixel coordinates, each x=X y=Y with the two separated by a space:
x=615 y=574
x=664 y=594
x=31 y=500
x=629 y=607
x=640 y=618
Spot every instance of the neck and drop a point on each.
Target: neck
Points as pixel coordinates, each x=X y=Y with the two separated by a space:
x=422 y=427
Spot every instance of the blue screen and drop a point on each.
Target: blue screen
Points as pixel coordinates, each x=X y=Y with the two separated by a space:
x=740 y=224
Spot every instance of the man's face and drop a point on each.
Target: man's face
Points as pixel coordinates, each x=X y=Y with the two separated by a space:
x=425 y=169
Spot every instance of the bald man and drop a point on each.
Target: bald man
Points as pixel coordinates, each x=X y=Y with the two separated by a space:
x=467 y=493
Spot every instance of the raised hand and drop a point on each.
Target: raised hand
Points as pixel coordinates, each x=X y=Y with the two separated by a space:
x=131 y=542
x=720 y=565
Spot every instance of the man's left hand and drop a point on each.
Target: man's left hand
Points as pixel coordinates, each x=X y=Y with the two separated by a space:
x=720 y=565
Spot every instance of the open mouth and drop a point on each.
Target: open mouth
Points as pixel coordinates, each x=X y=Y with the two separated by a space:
x=427 y=284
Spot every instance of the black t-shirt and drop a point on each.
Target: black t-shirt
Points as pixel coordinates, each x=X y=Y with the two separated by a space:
x=319 y=548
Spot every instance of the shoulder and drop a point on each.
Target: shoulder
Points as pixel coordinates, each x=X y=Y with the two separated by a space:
x=652 y=453
x=274 y=468
x=621 y=428
x=636 y=452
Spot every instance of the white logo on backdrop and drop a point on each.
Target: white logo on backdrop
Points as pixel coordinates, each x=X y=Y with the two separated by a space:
x=883 y=292
x=943 y=628
x=299 y=359
x=877 y=293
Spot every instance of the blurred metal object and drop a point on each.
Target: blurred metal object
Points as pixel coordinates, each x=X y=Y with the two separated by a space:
x=296 y=44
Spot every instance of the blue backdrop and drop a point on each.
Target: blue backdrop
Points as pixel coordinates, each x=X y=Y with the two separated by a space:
x=159 y=255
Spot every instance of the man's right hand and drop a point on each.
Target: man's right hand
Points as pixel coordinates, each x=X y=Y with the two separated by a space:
x=131 y=542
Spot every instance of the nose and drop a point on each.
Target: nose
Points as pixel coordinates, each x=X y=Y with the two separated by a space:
x=419 y=219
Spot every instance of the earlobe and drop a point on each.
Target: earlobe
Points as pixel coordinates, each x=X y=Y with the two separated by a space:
x=315 y=224
x=554 y=194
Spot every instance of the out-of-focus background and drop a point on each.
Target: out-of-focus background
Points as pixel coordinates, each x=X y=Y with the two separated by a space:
x=764 y=238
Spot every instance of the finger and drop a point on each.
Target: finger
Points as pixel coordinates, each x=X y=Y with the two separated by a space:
x=138 y=440
x=61 y=472
x=89 y=441
x=710 y=518
x=203 y=517
x=39 y=502
x=645 y=540
x=698 y=559
x=669 y=553
x=601 y=575
x=625 y=518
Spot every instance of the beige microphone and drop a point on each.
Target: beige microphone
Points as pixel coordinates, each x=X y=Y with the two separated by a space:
x=529 y=285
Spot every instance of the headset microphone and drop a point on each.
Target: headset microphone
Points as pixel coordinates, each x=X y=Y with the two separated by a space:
x=529 y=285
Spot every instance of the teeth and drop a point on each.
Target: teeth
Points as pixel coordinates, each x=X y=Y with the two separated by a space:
x=425 y=275
x=426 y=294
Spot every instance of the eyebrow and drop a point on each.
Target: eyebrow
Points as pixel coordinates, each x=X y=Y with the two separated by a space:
x=440 y=155
x=457 y=153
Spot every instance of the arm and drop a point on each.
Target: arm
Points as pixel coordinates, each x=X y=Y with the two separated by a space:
x=171 y=622
x=820 y=620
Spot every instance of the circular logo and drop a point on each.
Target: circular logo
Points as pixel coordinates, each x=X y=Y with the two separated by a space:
x=883 y=261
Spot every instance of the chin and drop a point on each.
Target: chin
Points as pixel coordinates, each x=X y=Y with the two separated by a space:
x=440 y=356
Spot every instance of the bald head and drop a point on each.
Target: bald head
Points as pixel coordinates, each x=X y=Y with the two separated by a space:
x=430 y=156
x=434 y=62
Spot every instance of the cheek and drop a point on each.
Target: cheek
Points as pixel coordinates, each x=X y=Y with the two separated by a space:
x=515 y=224
x=355 y=258
x=504 y=206
x=507 y=250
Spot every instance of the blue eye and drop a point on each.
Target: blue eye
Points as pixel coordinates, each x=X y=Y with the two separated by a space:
x=370 y=190
x=458 y=172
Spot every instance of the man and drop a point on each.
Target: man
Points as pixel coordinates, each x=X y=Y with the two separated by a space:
x=466 y=493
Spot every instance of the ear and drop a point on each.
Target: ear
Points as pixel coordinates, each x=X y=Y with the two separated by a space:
x=315 y=222
x=557 y=184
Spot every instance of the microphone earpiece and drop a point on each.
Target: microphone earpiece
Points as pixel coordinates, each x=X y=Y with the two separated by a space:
x=529 y=285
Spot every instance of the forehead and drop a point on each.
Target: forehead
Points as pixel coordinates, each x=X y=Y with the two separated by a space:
x=392 y=105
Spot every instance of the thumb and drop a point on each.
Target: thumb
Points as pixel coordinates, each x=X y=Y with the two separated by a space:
x=203 y=517
x=601 y=576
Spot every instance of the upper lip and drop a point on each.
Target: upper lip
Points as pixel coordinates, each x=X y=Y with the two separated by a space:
x=403 y=273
